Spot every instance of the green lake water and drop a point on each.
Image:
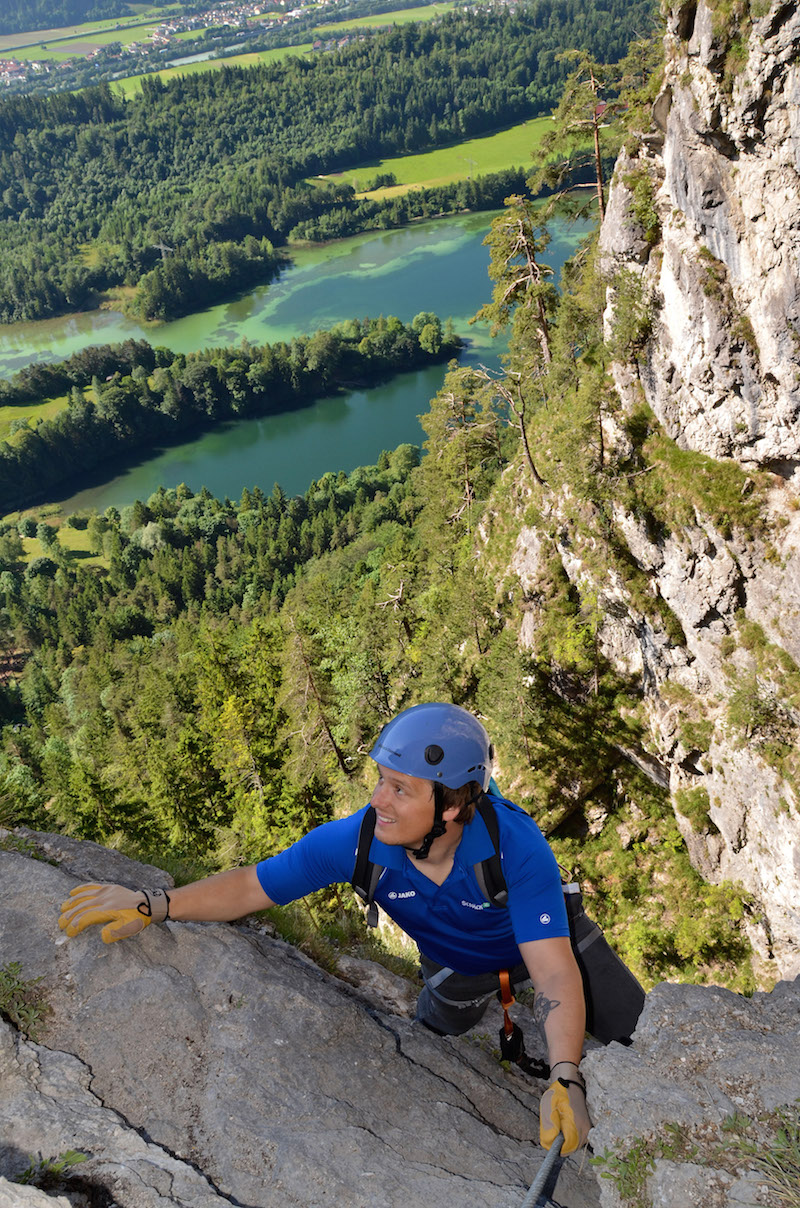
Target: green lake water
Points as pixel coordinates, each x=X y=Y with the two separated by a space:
x=439 y=266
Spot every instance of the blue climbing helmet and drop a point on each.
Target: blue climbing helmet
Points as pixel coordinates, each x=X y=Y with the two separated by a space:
x=439 y=742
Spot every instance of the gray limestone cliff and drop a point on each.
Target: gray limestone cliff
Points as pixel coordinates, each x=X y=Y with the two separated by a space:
x=701 y=242
x=200 y=1065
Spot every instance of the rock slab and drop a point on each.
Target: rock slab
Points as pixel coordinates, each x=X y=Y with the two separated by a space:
x=198 y=1064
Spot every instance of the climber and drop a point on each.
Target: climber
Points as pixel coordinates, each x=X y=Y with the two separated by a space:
x=434 y=765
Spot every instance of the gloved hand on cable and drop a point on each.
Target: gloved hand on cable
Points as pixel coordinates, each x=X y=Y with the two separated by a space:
x=124 y=911
x=563 y=1110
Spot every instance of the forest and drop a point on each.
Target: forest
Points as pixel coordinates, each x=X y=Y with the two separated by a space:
x=97 y=192
x=121 y=398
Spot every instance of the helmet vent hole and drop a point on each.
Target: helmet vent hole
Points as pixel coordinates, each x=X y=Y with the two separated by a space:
x=434 y=754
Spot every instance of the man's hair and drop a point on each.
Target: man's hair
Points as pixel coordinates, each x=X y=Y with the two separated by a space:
x=466 y=797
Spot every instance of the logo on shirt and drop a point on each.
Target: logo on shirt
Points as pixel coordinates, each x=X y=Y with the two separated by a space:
x=544 y=918
x=475 y=905
x=409 y=893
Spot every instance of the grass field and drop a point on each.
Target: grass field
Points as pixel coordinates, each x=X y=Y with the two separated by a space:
x=506 y=149
x=89 y=31
x=188 y=35
x=426 y=12
x=72 y=41
x=74 y=541
x=38 y=54
x=73 y=48
x=136 y=33
x=130 y=85
x=32 y=412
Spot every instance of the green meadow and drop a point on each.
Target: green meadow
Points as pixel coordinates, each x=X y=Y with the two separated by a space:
x=132 y=84
x=425 y=12
x=37 y=54
x=67 y=42
x=188 y=35
x=58 y=40
x=134 y=33
x=30 y=413
x=73 y=542
x=73 y=47
x=476 y=157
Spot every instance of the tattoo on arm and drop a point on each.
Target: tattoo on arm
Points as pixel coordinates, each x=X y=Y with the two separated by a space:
x=541 y=1009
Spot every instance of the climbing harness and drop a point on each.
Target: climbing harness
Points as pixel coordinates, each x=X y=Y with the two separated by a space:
x=614 y=997
x=537 y=1186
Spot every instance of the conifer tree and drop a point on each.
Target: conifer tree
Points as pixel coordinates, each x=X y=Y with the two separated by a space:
x=522 y=283
x=583 y=131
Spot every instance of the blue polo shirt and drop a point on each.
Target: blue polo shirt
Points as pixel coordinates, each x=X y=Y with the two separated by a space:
x=452 y=923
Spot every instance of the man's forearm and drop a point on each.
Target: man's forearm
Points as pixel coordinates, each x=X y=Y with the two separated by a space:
x=221 y=898
x=559 y=1009
x=558 y=1004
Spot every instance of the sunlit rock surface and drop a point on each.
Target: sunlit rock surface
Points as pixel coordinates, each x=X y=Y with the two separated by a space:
x=200 y=1064
x=205 y=1064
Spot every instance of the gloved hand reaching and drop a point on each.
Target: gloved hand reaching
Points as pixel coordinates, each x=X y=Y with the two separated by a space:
x=563 y=1110
x=124 y=911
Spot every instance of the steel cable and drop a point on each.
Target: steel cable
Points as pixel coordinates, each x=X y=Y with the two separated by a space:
x=537 y=1186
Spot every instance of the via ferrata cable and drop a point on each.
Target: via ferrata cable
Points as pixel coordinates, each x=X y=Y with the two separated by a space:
x=537 y=1186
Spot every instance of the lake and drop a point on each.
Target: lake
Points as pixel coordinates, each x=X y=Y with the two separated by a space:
x=439 y=265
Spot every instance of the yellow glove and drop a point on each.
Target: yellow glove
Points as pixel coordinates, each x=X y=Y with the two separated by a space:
x=124 y=911
x=563 y=1110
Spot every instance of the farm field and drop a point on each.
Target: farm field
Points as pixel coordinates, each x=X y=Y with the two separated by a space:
x=61 y=44
x=130 y=85
x=67 y=43
x=425 y=12
x=88 y=31
x=80 y=47
x=475 y=157
x=55 y=54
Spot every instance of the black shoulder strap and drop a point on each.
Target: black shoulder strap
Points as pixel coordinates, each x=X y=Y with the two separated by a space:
x=366 y=874
x=489 y=872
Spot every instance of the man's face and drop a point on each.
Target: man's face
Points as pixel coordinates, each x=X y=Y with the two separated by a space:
x=404 y=807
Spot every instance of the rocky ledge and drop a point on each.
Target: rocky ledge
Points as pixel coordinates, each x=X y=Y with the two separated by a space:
x=202 y=1064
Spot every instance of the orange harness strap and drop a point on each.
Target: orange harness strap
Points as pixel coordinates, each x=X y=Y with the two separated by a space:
x=507 y=1000
x=512 y=1044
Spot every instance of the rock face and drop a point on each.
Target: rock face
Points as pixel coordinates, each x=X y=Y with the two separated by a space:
x=206 y=1064
x=202 y=1064
x=708 y=1073
x=721 y=372
x=719 y=272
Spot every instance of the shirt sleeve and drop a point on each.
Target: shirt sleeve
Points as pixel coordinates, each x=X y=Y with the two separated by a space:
x=535 y=896
x=325 y=856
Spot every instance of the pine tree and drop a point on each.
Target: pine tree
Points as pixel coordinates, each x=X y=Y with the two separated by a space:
x=583 y=131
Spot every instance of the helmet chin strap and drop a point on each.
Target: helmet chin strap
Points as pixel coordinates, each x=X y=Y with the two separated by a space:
x=439 y=825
